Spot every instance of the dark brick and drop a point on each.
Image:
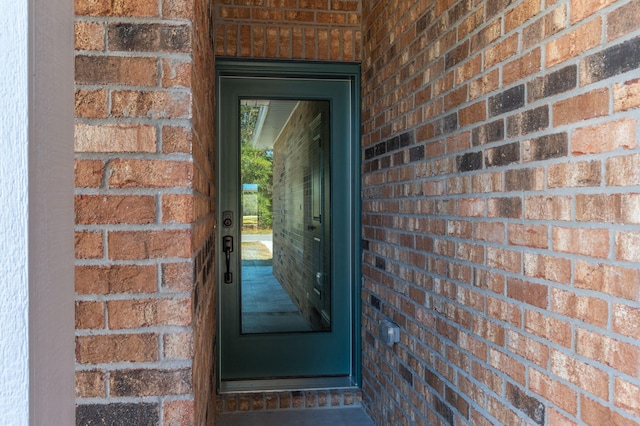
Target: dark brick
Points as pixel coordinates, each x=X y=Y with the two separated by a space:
x=99 y=70
x=381 y=263
x=393 y=144
x=459 y=10
x=444 y=411
x=406 y=139
x=496 y=6
x=369 y=153
x=416 y=153
x=142 y=414
x=375 y=302
x=490 y=132
x=529 y=405
x=508 y=207
x=380 y=149
x=149 y=37
x=446 y=124
x=469 y=161
x=519 y=180
x=421 y=23
x=365 y=244
x=432 y=380
x=457 y=401
x=528 y=121
x=502 y=155
x=615 y=60
x=406 y=374
x=557 y=82
x=506 y=101
x=437 y=29
x=457 y=55
x=545 y=147
x=144 y=382
x=384 y=163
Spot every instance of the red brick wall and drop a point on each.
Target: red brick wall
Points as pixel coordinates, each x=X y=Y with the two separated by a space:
x=500 y=214
x=142 y=210
x=327 y=30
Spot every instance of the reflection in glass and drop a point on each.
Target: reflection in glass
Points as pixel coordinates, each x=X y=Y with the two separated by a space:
x=286 y=280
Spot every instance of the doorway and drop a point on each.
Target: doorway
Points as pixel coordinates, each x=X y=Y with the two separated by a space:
x=288 y=214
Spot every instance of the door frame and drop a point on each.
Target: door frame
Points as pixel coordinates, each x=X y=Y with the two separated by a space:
x=314 y=70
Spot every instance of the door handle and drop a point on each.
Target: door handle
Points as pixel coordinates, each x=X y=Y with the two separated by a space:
x=227 y=248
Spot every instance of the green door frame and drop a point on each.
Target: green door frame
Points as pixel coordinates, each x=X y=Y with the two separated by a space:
x=319 y=71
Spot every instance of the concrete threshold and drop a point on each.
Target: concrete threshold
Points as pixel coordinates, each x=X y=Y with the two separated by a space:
x=353 y=416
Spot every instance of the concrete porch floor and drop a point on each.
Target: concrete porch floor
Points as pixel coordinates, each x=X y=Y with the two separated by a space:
x=354 y=416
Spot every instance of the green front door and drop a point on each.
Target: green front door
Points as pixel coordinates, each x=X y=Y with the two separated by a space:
x=287 y=221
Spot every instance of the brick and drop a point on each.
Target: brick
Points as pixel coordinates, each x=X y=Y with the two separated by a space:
x=550 y=24
x=91 y=103
x=114 y=138
x=506 y=260
x=547 y=267
x=506 y=101
x=127 y=173
x=140 y=414
x=88 y=245
x=545 y=147
x=586 y=242
x=556 y=418
x=531 y=179
x=520 y=14
x=124 y=314
x=548 y=208
x=518 y=69
x=623 y=171
x=177 y=276
x=471 y=207
x=627 y=396
x=133 y=37
x=129 y=8
x=549 y=328
x=552 y=390
x=581 y=9
x=623 y=357
x=588 y=309
x=507 y=365
x=88 y=173
x=510 y=207
x=593 y=414
x=532 y=407
x=131 y=245
x=613 y=280
x=177 y=208
x=585 y=376
x=623 y=20
x=89 y=36
x=469 y=162
x=581 y=107
x=502 y=155
x=626 y=320
x=177 y=9
x=610 y=62
x=528 y=235
x=613 y=208
x=573 y=175
x=484 y=84
x=155 y=105
x=527 y=292
x=627 y=246
x=90 y=384
x=176 y=139
x=499 y=52
x=582 y=39
x=178 y=345
x=98 y=349
x=150 y=382
x=528 y=121
x=176 y=73
x=489 y=231
x=626 y=95
x=104 y=70
x=178 y=413
x=486 y=182
x=557 y=82
x=488 y=133
x=115 y=209
x=115 y=279
x=472 y=114
x=89 y=315
x=504 y=311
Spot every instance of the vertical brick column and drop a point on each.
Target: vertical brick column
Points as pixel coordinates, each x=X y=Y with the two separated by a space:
x=136 y=212
x=501 y=212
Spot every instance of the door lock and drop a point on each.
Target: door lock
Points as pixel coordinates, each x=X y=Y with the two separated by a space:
x=227 y=248
x=227 y=218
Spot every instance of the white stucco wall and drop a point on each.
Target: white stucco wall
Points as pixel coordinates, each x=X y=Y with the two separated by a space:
x=36 y=212
x=14 y=277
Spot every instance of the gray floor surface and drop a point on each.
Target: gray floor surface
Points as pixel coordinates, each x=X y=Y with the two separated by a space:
x=310 y=417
